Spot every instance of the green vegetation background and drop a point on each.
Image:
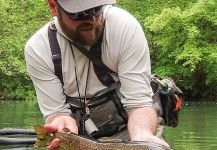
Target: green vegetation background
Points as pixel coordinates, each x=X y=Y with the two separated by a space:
x=182 y=36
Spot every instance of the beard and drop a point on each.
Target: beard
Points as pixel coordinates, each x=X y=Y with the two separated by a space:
x=86 y=34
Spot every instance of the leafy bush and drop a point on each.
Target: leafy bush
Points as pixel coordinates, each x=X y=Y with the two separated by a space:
x=185 y=45
x=141 y=9
x=18 y=21
x=182 y=41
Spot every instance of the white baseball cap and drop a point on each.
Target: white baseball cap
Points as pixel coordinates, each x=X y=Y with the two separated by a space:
x=74 y=6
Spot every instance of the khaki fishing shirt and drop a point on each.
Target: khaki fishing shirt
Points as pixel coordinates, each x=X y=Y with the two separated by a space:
x=124 y=50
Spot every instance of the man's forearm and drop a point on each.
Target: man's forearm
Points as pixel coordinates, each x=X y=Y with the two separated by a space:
x=142 y=123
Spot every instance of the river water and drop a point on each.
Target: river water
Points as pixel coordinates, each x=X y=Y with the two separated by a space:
x=197 y=129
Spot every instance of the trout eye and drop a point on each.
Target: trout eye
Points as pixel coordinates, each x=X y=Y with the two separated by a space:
x=41 y=138
x=51 y=134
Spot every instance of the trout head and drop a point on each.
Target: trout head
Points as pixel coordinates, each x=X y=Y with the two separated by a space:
x=43 y=137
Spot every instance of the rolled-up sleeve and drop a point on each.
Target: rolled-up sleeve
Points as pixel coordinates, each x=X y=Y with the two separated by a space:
x=135 y=72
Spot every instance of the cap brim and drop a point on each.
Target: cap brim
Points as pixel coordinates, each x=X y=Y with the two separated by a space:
x=74 y=6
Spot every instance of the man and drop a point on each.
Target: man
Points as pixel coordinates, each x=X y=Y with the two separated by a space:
x=124 y=50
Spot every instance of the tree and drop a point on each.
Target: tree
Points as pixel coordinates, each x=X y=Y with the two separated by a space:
x=185 y=45
x=19 y=19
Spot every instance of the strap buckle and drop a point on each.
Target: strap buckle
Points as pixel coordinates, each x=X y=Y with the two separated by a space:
x=52 y=25
x=56 y=57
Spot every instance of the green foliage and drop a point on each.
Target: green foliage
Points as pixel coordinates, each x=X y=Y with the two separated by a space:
x=18 y=21
x=185 y=43
x=181 y=35
x=141 y=9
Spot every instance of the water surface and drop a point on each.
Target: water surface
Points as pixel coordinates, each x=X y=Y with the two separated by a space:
x=197 y=129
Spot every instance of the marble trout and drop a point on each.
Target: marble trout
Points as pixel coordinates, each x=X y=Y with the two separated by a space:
x=70 y=141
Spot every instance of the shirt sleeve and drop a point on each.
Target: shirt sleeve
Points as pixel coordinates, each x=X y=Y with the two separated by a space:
x=48 y=87
x=127 y=53
x=135 y=72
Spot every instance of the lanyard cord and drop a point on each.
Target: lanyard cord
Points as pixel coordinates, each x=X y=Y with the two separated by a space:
x=85 y=109
x=76 y=76
x=85 y=94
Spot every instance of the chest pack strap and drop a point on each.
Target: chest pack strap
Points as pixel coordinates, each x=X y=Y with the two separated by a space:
x=101 y=70
x=56 y=53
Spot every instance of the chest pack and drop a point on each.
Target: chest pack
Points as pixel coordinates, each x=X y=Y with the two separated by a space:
x=168 y=97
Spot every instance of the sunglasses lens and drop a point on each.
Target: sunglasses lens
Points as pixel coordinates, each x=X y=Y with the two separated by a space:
x=98 y=10
x=84 y=15
x=73 y=16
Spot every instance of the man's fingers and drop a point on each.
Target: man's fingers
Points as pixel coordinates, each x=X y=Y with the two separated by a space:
x=72 y=128
x=163 y=143
x=159 y=141
x=72 y=125
x=60 y=126
x=54 y=144
x=50 y=128
x=56 y=125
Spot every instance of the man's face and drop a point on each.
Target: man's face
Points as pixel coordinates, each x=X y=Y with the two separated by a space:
x=85 y=32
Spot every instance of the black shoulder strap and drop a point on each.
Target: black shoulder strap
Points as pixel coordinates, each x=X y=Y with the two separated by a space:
x=101 y=70
x=94 y=54
x=56 y=53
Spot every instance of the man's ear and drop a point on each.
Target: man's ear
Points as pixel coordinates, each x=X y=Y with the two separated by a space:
x=53 y=7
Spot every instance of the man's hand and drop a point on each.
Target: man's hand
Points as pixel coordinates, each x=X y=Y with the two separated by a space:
x=142 y=125
x=151 y=138
x=59 y=122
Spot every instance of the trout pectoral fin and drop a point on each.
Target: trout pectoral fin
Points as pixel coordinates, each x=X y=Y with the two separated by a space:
x=40 y=143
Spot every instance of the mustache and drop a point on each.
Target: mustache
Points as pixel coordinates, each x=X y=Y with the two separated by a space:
x=86 y=26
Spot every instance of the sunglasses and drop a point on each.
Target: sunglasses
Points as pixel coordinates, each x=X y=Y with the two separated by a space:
x=85 y=15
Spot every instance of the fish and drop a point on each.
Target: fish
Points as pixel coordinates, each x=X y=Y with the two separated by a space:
x=71 y=141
